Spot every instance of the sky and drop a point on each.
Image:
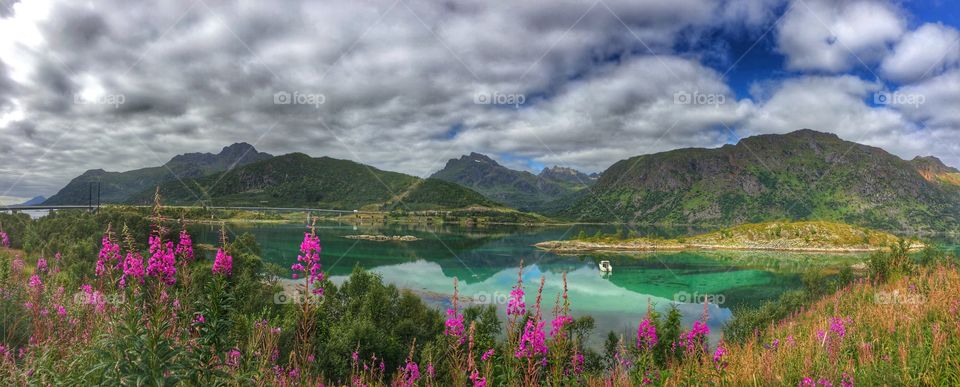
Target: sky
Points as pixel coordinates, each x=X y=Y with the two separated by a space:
x=405 y=85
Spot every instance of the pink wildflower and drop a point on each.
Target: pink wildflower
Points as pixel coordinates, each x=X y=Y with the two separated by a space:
x=308 y=262
x=4 y=239
x=576 y=363
x=697 y=337
x=533 y=341
x=35 y=283
x=185 y=247
x=454 y=324
x=646 y=335
x=478 y=381
x=42 y=265
x=162 y=263
x=718 y=355
x=411 y=373
x=109 y=256
x=223 y=264
x=837 y=327
x=516 y=305
x=487 y=355
x=558 y=323
x=846 y=380
x=233 y=358
x=198 y=319
x=133 y=268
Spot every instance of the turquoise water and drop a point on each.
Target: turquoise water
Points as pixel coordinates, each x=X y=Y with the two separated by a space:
x=486 y=262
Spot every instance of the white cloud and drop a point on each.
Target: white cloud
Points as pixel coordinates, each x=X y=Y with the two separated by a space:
x=400 y=79
x=927 y=51
x=836 y=35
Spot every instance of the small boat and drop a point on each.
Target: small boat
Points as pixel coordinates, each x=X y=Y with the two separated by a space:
x=606 y=267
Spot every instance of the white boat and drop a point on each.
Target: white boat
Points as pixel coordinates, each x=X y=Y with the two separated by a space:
x=606 y=267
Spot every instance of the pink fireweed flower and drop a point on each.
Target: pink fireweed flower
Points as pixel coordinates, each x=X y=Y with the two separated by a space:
x=184 y=249
x=478 y=381
x=223 y=264
x=233 y=358
x=807 y=382
x=411 y=373
x=837 y=327
x=846 y=380
x=576 y=363
x=42 y=265
x=454 y=325
x=516 y=305
x=109 y=256
x=35 y=283
x=198 y=319
x=558 y=323
x=718 y=355
x=697 y=337
x=646 y=335
x=308 y=263
x=4 y=239
x=132 y=268
x=533 y=341
x=487 y=355
x=162 y=262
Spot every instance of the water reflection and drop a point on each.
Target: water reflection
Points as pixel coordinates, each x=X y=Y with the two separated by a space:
x=486 y=262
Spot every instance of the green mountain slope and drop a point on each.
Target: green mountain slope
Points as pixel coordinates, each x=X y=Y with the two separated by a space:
x=518 y=189
x=803 y=175
x=118 y=187
x=298 y=180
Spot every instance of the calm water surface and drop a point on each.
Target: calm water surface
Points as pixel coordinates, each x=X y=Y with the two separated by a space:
x=486 y=261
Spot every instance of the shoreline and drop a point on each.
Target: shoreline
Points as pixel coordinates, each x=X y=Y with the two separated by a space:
x=578 y=247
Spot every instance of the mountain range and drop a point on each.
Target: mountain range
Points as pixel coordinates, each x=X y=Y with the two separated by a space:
x=519 y=189
x=298 y=180
x=802 y=175
x=117 y=187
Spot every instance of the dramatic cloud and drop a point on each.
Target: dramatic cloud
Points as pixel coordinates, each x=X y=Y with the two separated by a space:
x=406 y=84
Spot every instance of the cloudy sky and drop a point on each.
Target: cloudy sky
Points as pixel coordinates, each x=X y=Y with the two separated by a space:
x=405 y=85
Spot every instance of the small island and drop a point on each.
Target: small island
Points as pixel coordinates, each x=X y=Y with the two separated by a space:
x=814 y=236
x=384 y=238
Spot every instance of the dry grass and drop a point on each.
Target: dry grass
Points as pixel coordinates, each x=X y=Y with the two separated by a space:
x=905 y=332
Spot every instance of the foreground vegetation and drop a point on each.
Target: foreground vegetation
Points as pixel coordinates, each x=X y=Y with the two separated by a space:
x=119 y=298
x=814 y=236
